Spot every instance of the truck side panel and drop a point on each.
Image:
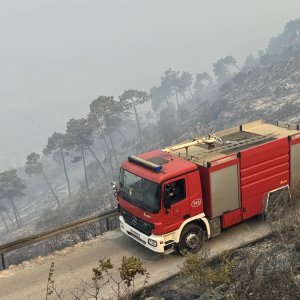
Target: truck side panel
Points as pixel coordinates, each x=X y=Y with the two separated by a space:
x=220 y=187
x=263 y=168
x=231 y=218
x=225 y=190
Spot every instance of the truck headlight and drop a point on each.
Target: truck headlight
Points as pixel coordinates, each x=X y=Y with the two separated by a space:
x=152 y=242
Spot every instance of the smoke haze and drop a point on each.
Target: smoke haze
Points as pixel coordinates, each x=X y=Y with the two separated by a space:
x=57 y=56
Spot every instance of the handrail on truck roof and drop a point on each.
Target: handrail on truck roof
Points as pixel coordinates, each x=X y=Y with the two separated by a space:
x=209 y=148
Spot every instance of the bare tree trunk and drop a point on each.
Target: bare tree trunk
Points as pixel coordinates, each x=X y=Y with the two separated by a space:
x=190 y=90
x=98 y=161
x=113 y=148
x=51 y=189
x=176 y=94
x=15 y=210
x=9 y=217
x=85 y=173
x=107 y=148
x=111 y=142
x=122 y=135
x=3 y=219
x=65 y=170
x=138 y=124
x=183 y=95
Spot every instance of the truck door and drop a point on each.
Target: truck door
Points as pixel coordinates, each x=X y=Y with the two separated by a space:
x=177 y=191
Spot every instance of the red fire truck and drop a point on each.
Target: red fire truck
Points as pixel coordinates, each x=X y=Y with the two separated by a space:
x=175 y=198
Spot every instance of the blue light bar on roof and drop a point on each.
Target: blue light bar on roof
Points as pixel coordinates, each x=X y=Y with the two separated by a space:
x=147 y=164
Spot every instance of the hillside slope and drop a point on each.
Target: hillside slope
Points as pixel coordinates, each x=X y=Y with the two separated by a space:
x=269 y=90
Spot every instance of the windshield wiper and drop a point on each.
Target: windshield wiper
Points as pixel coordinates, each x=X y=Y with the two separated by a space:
x=127 y=197
x=132 y=201
x=138 y=203
x=149 y=209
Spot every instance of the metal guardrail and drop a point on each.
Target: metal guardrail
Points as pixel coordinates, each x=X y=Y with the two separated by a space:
x=44 y=235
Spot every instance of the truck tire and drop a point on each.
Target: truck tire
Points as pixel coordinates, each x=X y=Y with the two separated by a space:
x=191 y=239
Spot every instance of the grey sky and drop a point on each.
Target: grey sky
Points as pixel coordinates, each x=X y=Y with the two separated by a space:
x=57 y=56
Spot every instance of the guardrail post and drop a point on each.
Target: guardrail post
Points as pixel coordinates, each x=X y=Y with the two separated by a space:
x=107 y=224
x=3 y=261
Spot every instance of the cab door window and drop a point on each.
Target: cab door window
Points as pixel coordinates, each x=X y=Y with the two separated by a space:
x=175 y=191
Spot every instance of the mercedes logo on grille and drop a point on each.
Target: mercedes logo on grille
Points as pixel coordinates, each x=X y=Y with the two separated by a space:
x=134 y=221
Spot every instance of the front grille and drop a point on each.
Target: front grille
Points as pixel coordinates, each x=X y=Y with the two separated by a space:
x=136 y=222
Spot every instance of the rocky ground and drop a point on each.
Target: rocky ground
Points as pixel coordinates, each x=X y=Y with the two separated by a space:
x=268 y=269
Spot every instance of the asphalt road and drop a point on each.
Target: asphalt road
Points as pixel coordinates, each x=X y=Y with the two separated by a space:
x=75 y=264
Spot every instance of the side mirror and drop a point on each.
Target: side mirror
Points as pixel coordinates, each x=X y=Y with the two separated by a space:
x=115 y=185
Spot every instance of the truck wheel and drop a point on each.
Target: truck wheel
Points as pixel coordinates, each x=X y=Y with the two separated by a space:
x=191 y=239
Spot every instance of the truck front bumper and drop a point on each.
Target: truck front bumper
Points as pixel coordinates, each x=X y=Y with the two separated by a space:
x=153 y=242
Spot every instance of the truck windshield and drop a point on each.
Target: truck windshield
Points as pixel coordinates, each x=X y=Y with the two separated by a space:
x=140 y=191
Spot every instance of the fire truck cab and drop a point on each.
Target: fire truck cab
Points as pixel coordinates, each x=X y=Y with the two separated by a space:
x=175 y=198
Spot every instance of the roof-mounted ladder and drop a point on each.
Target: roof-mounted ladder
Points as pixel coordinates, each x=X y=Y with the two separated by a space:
x=230 y=145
